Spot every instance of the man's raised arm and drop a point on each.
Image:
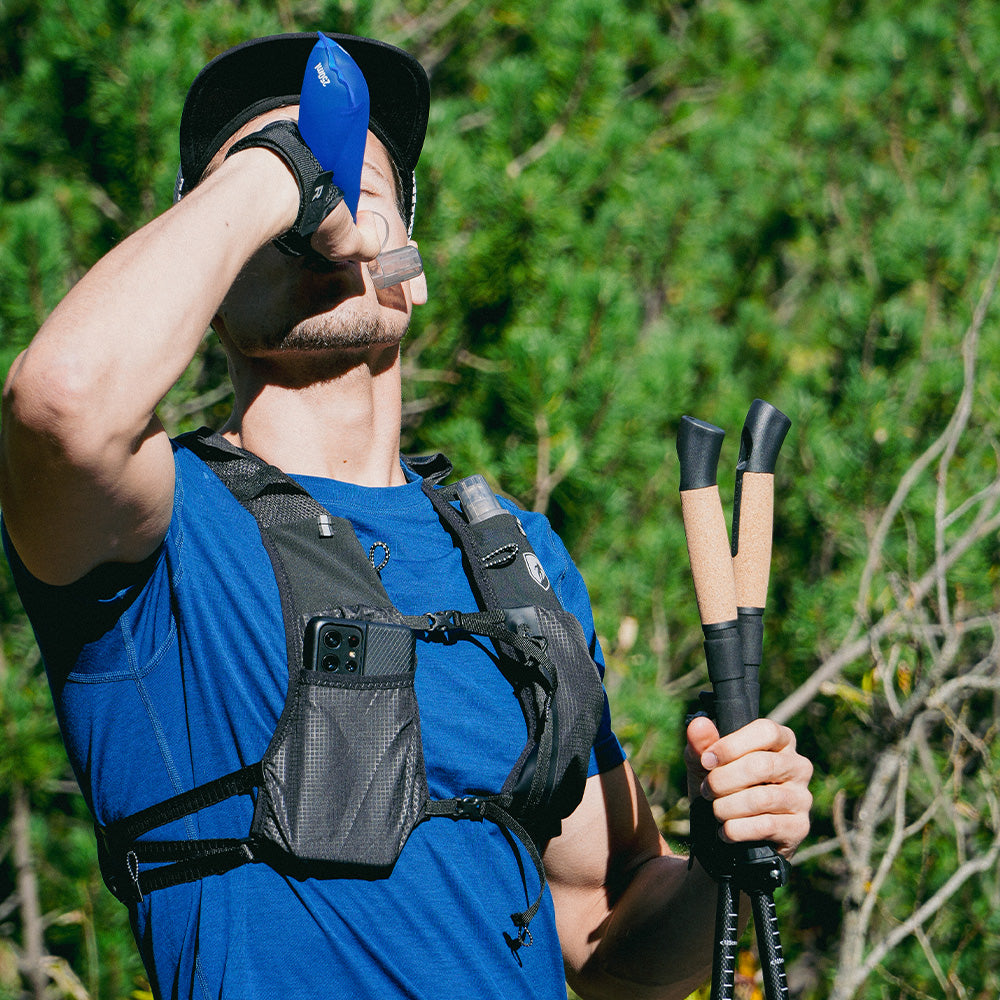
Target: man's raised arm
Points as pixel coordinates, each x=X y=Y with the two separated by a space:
x=86 y=469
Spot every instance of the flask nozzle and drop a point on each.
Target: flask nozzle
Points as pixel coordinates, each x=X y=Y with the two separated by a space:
x=477 y=499
x=393 y=266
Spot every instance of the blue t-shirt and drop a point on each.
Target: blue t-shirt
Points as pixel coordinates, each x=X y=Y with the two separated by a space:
x=171 y=673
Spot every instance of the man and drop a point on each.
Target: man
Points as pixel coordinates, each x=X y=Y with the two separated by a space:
x=158 y=612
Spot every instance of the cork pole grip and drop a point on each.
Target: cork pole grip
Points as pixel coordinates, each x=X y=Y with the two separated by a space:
x=699 y=445
x=708 y=550
x=752 y=561
x=753 y=503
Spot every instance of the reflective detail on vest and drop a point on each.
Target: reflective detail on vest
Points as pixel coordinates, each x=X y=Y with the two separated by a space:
x=535 y=570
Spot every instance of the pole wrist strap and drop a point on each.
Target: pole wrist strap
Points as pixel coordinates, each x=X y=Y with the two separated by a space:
x=318 y=195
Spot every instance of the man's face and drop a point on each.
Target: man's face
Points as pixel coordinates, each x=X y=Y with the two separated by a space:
x=280 y=303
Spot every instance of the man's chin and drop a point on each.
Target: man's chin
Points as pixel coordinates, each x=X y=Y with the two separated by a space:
x=340 y=330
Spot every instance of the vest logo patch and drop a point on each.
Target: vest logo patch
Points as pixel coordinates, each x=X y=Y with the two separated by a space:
x=536 y=570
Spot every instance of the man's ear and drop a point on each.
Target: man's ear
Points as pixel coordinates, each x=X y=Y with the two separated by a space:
x=418 y=285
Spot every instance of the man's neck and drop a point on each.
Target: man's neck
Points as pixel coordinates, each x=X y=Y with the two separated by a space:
x=344 y=425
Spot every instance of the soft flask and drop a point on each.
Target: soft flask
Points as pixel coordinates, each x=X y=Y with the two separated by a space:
x=333 y=115
x=333 y=120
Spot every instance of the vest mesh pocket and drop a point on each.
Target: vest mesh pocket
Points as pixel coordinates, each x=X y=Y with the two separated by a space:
x=579 y=703
x=344 y=779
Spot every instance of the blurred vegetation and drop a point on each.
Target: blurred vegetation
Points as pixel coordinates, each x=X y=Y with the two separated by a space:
x=630 y=210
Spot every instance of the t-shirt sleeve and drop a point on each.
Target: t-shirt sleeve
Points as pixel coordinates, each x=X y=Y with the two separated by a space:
x=69 y=620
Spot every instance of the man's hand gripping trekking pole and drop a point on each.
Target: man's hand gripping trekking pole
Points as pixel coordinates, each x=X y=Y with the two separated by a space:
x=731 y=589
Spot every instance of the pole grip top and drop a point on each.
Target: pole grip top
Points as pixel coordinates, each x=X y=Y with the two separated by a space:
x=763 y=434
x=699 y=445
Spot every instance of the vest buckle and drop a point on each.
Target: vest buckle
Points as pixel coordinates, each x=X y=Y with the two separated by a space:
x=443 y=621
x=470 y=807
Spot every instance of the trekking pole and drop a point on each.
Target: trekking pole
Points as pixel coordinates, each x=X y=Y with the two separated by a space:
x=698 y=448
x=754 y=868
x=753 y=517
x=763 y=434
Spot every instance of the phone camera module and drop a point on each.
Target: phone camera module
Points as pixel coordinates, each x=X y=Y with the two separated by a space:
x=341 y=649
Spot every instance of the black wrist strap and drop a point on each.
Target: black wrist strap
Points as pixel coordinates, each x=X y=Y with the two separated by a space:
x=318 y=195
x=716 y=857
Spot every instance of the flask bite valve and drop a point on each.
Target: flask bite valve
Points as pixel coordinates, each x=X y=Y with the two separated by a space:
x=393 y=266
x=477 y=499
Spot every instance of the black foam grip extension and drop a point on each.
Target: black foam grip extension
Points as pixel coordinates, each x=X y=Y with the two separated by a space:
x=724 y=654
x=751 y=629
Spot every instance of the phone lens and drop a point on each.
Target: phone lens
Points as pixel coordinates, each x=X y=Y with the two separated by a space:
x=341 y=648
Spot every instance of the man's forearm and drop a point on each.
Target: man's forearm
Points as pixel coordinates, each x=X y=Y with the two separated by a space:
x=634 y=921
x=129 y=327
x=658 y=939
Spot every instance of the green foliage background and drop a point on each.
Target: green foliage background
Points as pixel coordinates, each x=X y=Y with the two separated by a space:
x=629 y=210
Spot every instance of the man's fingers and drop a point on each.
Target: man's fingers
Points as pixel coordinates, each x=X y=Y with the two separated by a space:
x=701 y=734
x=789 y=799
x=372 y=233
x=785 y=832
x=338 y=238
x=754 y=769
x=761 y=734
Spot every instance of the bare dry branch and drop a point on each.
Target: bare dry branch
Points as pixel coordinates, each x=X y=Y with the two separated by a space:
x=852 y=650
x=33 y=946
x=974 y=866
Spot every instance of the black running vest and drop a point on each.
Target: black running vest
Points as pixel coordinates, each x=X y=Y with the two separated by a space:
x=342 y=782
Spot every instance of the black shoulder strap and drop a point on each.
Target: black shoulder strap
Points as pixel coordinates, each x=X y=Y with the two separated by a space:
x=503 y=568
x=311 y=578
x=121 y=853
x=433 y=469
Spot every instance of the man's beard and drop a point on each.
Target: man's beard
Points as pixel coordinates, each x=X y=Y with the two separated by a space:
x=342 y=331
